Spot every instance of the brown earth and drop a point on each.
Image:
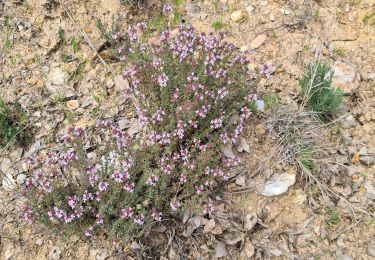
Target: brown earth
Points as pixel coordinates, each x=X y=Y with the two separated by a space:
x=286 y=35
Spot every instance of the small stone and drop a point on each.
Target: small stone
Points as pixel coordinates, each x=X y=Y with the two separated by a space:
x=134 y=128
x=7 y=166
x=72 y=104
x=242 y=145
x=371 y=250
x=87 y=103
x=250 y=221
x=102 y=255
x=249 y=9
x=69 y=94
x=370 y=190
x=16 y=155
x=121 y=83
x=21 y=178
x=278 y=184
x=74 y=238
x=260 y=105
x=367 y=159
x=239 y=16
x=249 y=249
x=57 y=78
x=275 y=252
x=227 y=151
x=135 y=246
x=349 y=121
x=124 y=123
x=241 y=181
x=54 y=254
x=272 y=17
x=258 y=41
x=244 y=48
x=344 y=257
x=209 y=226
x=285 y=11
x=345 y=77
x=39 y=242
x=220 y=250
x=8 y=182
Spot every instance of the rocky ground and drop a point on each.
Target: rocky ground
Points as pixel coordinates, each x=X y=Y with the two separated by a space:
x=47 y=49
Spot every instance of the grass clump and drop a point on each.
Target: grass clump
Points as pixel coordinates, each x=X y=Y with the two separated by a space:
x=317 y=90
x=12 y=120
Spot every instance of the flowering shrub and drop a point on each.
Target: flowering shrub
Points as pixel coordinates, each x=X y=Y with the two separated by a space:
x=192 y=98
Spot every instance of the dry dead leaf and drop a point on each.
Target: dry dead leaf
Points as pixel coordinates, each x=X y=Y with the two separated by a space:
x=209 y=226
x=355 y=158
x=250 y=221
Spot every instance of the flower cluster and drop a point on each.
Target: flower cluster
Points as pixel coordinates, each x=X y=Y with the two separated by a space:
x=192 y=91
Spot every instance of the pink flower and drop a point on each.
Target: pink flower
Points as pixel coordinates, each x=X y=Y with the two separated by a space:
x=199 y=189
x=163 y=80
x=168 y=8
x=222 y=93
x=208 y=208
x=175 y=205
x=183 y=178
x=103 y=186
x=127 y=213
x=216 y=123
x=89 y=232
x=157 y=63
x=156 y=215
x=152 y=180
x=129 y=187
x=140 y=220
x=28 y=214
x=157 y=117
x=99 y=219
x=72 y=202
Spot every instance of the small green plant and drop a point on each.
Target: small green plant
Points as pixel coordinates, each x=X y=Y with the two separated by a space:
x=271 y=101
x=12 y=120
x=318 y=92
x=75 y=45
x=333 y=217
x=317 y=14
x=37 y=59
x=217 y=24
x=369 y=19
x=341 y=52
x=62 y=36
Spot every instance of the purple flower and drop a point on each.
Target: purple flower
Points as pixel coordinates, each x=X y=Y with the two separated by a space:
x=142 y=26
x=168 y=9
x=133 y=35
x=208 y=209
x=175 y=205
x=99 y=219
x=129 y=187
x=139 y=220
x=157 y=63
x=73 y=200
x=28 y=214
x=89 y=232
x=103 y=186
x=163 y=80
x=127 y=213
x=152 y=180
x=156 y=215
x=265 y=71
x=157 y=117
